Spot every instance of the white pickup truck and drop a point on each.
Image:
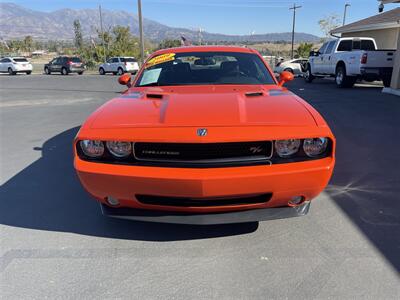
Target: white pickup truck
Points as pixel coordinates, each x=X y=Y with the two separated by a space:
x=349 y=59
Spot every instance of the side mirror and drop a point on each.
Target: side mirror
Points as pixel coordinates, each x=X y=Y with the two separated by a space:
x=314 y=53
x=284 y=77
x=125 y=79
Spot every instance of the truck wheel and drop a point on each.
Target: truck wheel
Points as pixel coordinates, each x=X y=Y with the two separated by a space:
x=342 y=80
x=308 y=76
x=386 y=81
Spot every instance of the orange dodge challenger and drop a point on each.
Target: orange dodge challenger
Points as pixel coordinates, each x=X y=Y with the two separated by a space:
x=205 y=135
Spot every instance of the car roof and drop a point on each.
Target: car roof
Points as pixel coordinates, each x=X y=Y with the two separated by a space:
x=204 y=49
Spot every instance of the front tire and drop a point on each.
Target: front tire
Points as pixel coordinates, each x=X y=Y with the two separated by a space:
x=64 y=71
x=47 y=71
x=308 y=76
x=11 y=72
x=80 y=73
x=120 y=71
x=341 y=78
x=102 y=72
x=28 y=72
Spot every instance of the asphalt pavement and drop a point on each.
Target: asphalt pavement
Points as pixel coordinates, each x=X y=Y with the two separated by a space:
x=56 y=244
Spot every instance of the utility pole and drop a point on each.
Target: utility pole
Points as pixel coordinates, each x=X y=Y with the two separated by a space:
x=102 y=34
x=345 y=12
x=294 y=24
x=141 y=31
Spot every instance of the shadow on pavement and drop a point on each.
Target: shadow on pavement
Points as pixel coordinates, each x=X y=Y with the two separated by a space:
x=366 y=180
x=47 y=195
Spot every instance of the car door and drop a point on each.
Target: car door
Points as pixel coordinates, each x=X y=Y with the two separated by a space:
x=115 y=64
x=107 y=65
x=327 y=58
x=56 y=65
x=318 y=60
x=3 y=65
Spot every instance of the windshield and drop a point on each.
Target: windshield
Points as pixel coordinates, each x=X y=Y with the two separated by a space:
x=202 y=68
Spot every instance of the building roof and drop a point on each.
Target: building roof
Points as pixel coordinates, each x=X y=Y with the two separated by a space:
x=389 y=19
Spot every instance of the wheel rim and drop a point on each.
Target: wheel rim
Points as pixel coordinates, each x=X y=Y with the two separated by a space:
x=339 y=77
x=101 y=71
x=10 y=71
x=120 y=72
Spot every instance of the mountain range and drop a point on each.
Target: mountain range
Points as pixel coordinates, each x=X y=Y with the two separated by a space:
x=17 y=22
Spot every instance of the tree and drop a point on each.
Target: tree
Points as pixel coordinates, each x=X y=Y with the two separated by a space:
x=169 y=44
x=78 y=34
x=28 y=43
x=329 y=23
x=303 y=50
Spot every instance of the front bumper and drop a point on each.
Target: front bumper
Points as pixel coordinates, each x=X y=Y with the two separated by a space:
x=245 y=216
x=283 y=181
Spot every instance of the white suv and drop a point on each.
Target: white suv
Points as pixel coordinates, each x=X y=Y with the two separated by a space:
x=119 y=65
x=14 y=65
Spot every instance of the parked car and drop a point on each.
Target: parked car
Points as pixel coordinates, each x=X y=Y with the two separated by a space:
x=349 y=59
x=294 y=66
x=119 y=65
x=65 y=65
x=226 y=144
x=14 y=65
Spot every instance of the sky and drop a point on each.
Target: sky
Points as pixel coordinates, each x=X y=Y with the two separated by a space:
x=227 y=16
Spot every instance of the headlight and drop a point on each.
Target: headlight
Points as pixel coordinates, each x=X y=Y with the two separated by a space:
x=315 y=147
x=119 y=149
x=286 y=148
x=92 y=148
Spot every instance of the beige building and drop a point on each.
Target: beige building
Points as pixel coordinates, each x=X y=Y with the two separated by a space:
x=385 y=29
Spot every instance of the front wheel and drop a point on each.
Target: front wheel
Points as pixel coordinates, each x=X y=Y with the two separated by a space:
x=101 y=71
x=47 y=71
x=342 y=80
x=308 y=76
x=11 y=72
x=28 y=72
x=80 y=73
x=64 y=71
x=120 y=71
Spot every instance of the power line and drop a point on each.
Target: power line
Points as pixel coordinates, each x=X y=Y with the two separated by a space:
x=294 y=24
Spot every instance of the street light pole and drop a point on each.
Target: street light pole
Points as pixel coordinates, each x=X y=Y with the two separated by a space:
x=141 y=32
x=102 y=34
x=345 y=12
x=294 y=24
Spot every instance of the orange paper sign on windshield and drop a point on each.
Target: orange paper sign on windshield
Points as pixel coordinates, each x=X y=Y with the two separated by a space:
x=160 y=59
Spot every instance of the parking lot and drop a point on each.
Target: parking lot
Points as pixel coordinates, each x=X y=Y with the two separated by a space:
x=55 y=242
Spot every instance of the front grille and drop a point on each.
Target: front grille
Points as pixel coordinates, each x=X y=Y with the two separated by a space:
x=203 y=152
x=205 y=202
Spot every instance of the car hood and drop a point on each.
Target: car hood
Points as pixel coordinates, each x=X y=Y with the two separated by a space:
x=204 y=106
